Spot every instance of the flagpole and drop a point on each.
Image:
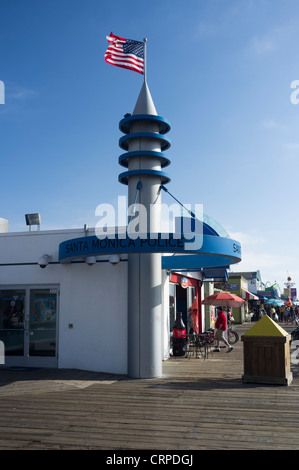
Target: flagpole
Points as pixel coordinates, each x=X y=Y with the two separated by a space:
x=144 y=72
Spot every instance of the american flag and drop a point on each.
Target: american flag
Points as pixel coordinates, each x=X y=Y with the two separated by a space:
x=125 y=53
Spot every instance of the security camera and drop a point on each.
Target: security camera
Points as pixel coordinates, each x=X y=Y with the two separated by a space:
x=44 y=261
x=114 y=259
x=90 y=260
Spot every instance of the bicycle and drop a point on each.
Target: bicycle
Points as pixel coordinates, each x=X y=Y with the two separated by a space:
x=232 y=336
x=295 y=335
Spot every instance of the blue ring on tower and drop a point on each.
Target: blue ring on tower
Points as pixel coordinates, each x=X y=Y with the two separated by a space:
x=124 y=177
x=125 y=124
x=124 y=141
x=124 y=158
x=163 y=127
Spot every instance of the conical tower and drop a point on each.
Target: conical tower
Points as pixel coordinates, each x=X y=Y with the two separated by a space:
x=145 y=143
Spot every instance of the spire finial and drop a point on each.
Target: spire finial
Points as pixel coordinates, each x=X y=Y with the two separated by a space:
x=145 y=104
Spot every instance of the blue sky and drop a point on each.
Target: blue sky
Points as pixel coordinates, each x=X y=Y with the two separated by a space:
x=219 y=70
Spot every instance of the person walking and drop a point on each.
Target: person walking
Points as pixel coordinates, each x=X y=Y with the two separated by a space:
x=262 y=311
x=221 y=325
x=281 y=313
x=286 y=315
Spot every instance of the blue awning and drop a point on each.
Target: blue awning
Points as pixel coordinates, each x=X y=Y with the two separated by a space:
x=217 y=273
x=263 y=294
x=216 y=252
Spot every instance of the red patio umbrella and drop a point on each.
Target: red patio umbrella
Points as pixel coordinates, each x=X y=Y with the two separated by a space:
x=223 y=299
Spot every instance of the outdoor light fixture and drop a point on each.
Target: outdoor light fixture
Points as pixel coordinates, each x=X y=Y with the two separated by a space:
x=90 y=260
x=33 y=219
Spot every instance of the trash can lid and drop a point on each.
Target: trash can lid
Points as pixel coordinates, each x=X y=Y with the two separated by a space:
x=266 y=327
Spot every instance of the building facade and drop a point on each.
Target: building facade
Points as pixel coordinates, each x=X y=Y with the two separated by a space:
x=71 y=299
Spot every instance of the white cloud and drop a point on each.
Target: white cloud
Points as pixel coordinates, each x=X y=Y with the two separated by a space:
x=15 y=98
x=247 y=239
x=18 y=92
x=262 y=45
x=273 y=124
x=256 y=255
x=292 y=146
x=205 y=29
x=275 y=38
x=253 y=260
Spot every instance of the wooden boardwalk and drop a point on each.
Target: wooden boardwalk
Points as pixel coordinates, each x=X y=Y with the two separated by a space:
x=198 y=404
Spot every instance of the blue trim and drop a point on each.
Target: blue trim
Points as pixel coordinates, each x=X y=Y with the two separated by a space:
x=123 y=141
x=125 y=124
x=123 y=159
x=124 y=177
x=214 y=251
x=195 y=262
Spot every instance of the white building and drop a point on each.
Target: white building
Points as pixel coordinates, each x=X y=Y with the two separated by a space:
x=67 y=315
x=66 y=300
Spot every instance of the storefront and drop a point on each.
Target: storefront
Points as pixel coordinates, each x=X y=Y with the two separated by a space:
x=199 y=273
x=238 y=285
x=185 y=297
x=28 y=324
x=65 y=315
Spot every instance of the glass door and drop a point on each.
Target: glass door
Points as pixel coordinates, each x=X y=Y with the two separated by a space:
x=41 y=326
x=28 y=319
x=12 y=318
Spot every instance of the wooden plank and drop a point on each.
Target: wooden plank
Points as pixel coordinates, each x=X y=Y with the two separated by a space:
x=197 y=404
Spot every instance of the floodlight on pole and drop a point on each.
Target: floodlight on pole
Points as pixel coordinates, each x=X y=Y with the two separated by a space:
x=33 y=219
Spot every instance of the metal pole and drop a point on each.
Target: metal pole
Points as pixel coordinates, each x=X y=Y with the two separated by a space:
x=144 y=72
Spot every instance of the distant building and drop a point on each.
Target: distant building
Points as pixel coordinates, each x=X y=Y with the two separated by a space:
x=253 y=279
x=238 y=283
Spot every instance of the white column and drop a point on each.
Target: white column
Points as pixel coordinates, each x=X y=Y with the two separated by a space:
x=144 y=269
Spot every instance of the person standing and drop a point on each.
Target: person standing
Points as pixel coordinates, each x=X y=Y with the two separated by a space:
x=190 y=322
x=286 y=315
x=221 y=325
x=292 y=315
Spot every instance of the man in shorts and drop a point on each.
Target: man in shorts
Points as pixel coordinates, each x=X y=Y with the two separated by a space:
x=220 y=325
